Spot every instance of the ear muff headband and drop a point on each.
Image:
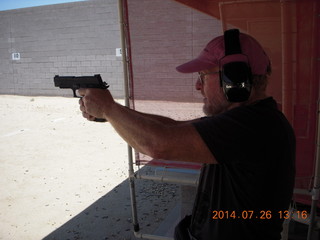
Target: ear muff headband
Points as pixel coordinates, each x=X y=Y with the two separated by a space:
x=232 y=42
x=235 y=73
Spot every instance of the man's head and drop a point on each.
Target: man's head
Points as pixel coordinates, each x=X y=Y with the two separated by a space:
x=240 y=62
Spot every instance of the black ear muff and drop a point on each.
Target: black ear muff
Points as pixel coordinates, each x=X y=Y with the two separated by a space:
x=235 y=72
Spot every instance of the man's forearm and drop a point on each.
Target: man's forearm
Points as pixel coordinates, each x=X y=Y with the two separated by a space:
x=162 y=119
x=140 y=130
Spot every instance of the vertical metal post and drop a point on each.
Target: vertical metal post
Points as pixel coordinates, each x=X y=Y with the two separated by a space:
x=126 y=89
x=316 y=184
x=288 y=63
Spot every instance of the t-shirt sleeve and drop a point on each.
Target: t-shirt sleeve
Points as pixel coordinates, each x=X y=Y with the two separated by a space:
x=227 y=136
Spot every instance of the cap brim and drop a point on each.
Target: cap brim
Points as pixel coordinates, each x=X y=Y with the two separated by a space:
x=194 y=65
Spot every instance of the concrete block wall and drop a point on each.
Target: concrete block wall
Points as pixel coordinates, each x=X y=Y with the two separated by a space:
x=81 y=39
x=65 y=39
x=164 y=35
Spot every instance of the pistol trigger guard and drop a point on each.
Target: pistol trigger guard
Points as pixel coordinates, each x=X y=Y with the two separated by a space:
x=106 y=85
x=75 y=93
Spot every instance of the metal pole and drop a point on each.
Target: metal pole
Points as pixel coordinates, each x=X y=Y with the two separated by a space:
x=287 y=14
x=151 y=237
x=190 y=181
x=126 y=89
x=316 y=184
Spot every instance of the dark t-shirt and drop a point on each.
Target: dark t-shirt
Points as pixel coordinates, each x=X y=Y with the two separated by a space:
x=244 y=196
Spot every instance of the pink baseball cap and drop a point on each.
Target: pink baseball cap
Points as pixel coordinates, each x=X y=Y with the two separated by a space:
x=214 y=51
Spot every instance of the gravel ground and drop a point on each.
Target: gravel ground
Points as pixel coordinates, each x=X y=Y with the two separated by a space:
x=63 y=177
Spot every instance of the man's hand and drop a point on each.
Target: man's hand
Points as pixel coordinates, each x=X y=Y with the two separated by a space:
x=95 y=103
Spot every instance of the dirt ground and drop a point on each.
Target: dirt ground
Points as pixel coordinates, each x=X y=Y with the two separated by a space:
x=63 y=177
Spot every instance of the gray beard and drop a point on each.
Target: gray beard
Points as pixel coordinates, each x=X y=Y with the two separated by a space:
x=207 y=111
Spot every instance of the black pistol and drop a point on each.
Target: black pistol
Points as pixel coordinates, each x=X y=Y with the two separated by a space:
x=76 y=83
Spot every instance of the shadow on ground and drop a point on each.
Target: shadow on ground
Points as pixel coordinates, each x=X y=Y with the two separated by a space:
x=110 y=216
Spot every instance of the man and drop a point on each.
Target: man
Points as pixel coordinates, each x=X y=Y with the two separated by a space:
x=246 y=145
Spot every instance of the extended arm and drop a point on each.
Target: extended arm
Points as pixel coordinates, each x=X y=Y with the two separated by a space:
x=156 y=136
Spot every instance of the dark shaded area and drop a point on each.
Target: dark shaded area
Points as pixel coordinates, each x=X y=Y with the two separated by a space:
x=110 y=216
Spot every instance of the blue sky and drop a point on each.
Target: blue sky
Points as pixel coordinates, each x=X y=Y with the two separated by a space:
x=14 y=4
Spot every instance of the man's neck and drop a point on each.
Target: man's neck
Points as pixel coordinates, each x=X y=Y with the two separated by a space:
x=254 y=97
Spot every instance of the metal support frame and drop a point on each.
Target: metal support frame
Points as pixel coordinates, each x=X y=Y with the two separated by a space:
x=316 y=183
x=190 y=181
x=287 y=38
x=126 y=59
x=126 y=63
